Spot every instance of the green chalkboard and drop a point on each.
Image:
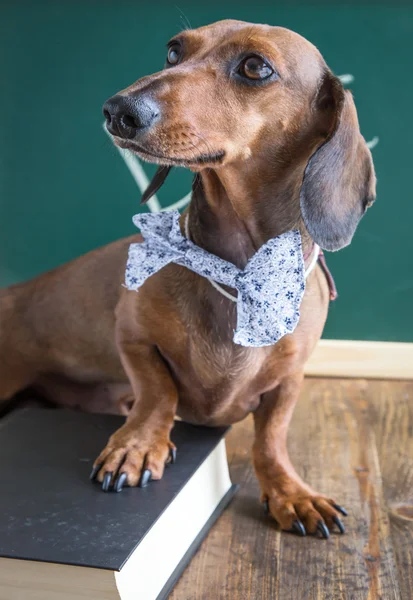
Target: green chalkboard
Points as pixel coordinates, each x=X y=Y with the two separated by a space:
x=64 y=188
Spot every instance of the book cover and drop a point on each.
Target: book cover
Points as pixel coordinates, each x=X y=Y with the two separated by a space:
x=50 y=511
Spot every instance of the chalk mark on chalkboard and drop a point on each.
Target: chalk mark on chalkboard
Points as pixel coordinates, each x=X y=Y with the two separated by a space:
x=346 y=79
x=137 y=172
x=373 y=143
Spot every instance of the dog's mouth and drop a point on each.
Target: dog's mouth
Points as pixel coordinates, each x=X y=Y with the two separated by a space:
x=150 y=156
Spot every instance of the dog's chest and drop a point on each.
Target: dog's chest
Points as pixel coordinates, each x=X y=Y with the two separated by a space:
x=221 y=382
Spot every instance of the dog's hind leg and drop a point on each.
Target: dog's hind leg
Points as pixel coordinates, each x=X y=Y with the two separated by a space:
x=12 y=382
x=16 y=373
x=95 y=397
x=16 y=369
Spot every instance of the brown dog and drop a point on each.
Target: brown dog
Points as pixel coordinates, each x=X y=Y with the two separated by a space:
x=274 y=141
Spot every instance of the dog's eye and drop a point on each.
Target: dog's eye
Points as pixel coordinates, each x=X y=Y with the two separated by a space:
x=174 y=54
x=255 y=67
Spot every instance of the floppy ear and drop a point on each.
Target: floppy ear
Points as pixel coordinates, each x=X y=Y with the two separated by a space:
x=339 y=181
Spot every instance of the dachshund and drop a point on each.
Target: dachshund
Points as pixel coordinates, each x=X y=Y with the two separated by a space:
x=274 y=144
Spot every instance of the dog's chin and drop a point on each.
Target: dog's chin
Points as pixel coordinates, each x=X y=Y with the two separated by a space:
x=196 y=162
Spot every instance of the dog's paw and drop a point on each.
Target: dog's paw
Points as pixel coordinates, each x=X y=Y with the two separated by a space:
x=131 y=459
x=304 y=512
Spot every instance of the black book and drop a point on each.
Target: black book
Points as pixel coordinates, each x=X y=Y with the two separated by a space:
x=61 y=537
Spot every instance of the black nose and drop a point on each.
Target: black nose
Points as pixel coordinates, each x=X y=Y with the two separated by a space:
x=127 y=116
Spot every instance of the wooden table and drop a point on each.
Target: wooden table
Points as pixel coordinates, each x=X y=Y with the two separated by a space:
x=351 y=439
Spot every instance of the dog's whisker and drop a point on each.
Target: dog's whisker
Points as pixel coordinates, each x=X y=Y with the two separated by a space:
x=184 y=19
x=205 y=141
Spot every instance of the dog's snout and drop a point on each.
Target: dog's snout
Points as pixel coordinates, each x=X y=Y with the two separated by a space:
x=127 y=116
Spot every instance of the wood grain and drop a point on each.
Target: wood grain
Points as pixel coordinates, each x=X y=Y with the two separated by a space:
x=355 y=358
x=391 y=415
x=352 y=439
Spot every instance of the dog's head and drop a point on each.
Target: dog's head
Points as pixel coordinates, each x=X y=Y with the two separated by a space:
x=232 y=93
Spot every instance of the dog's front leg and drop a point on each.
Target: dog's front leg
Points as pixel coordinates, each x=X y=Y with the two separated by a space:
x=293 y=503
x=139 y=450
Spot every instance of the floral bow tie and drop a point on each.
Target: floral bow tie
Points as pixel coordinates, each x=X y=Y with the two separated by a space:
x=270 y=287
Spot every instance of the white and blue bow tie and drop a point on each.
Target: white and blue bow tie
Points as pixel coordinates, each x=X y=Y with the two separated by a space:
x=270 y=287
